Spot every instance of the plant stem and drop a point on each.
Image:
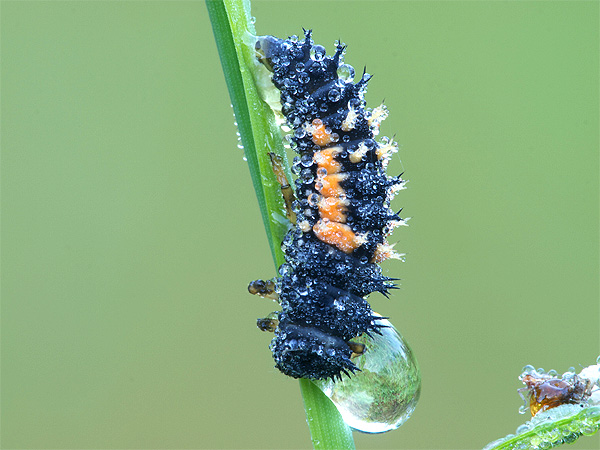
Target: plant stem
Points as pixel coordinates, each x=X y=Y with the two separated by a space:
x=552 y=432
x=327 y=428
x=259 y=133
x=231 y=25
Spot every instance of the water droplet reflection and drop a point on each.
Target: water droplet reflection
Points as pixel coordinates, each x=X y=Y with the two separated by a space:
x=384 y=395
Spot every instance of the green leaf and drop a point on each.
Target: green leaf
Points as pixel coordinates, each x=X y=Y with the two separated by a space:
x=327 y=428
x=549 y=429
x=233 y=29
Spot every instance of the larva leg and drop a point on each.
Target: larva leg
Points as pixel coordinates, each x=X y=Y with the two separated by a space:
x=286 y=189
x=264 y=288
x=268 y=323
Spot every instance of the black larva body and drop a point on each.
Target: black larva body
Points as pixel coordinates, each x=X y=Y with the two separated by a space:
x=330 y=263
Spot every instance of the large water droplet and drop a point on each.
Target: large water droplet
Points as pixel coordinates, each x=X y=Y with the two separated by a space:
x=384 y=395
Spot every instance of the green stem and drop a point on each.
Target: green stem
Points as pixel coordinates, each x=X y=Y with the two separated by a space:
x=232 y=27
x=327 y=428
x=552 y=432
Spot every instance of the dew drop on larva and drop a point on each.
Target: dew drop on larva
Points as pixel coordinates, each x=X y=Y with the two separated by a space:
x=385 y=393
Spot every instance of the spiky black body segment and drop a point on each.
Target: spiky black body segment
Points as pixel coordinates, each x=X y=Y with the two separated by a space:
x=342 y=211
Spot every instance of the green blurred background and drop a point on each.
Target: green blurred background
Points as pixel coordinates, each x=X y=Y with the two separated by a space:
x=130 y=228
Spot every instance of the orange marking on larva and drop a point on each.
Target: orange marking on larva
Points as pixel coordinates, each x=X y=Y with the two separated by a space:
x=325 y=159
x=329 y=185
x=337 y=234
x=333 y=209
x=320 y=136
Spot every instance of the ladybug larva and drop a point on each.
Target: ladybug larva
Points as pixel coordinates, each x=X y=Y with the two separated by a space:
x=340 y=213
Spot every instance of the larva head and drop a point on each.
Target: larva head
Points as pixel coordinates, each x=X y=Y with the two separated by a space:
x=268 y=48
